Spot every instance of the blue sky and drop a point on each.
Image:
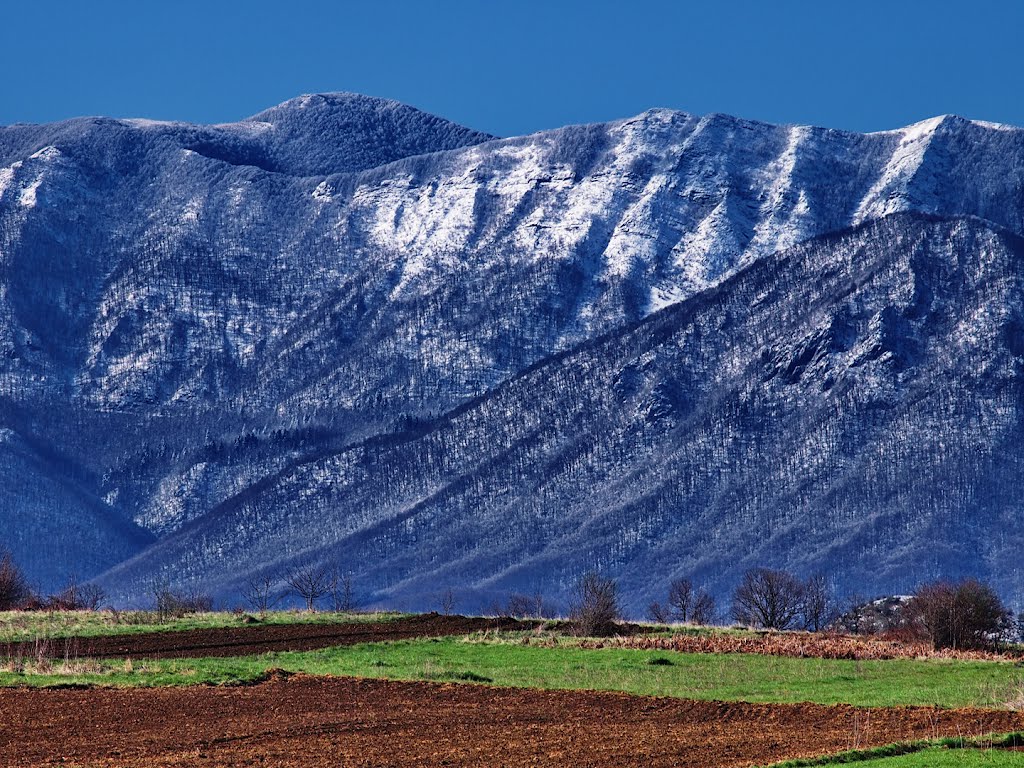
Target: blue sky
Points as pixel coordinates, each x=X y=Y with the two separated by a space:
x=518 y=66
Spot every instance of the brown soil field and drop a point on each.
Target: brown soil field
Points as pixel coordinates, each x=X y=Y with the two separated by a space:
x=253 y=639
x=310 y=721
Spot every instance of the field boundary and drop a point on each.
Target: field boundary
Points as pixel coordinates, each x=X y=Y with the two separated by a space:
x=995 y=741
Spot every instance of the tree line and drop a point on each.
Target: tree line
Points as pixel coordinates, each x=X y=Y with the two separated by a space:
x=961 y=615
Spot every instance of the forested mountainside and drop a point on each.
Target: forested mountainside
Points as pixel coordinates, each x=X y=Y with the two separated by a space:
x=227 y=348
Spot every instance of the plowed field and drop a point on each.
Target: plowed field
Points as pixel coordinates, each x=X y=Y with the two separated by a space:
x=254 y=639
x=308 y=721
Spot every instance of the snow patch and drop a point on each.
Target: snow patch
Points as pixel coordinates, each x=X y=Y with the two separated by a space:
x=323 y=192
x=46 y=153
x=27 y=199
x=7 y=176
x=141 y=122
x=996 y=126
x=889 y=193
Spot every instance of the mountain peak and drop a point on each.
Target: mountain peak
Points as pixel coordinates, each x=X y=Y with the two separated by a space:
x=331 y=100
x=325 y=133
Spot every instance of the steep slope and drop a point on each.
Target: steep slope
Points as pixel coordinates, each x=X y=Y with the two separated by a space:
x=186 y=311
x=54 y=527
x=851 y=406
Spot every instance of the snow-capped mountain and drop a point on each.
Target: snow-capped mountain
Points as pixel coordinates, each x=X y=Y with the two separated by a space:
x=202 y=327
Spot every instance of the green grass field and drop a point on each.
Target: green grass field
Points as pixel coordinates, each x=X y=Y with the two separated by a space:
x=701 y=676
x=950 y=758
x=944 y=753
x=22 y=625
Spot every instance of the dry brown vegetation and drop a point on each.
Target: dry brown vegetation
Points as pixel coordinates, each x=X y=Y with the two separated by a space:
x=800 y=645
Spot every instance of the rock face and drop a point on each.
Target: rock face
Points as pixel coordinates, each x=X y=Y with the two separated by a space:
x=344 y=329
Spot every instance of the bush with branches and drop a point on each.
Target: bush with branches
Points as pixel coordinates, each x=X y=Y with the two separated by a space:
x=14 y=590
x=173 y=604
x=523 y=606
x=968 y=615
x=595 y=606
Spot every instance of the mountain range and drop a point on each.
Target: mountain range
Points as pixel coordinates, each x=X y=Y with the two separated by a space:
x=345 y=331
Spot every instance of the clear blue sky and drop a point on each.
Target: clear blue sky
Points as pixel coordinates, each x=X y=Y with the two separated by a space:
x=518 y=66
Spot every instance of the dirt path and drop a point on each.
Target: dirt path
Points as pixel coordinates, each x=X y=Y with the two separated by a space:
x=309 y=721
x=253 y=639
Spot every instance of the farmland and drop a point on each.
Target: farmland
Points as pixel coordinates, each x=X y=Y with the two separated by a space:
x=448 y=690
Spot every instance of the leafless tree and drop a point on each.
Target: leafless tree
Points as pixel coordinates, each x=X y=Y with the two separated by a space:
x=658 y=613
x=684 y=604
x=818 y=608
x=171 y=603
x=965 y=615
x=680 y=599
x=343 y=592
x=524 y=606
x=13 y=587
x=595 y=605
x=448 y=602
x=77 y=597
x=703 y=611
x=91 y=597
x=767 y=598
x=261 y=593
x=310 y=582
x=67 y=599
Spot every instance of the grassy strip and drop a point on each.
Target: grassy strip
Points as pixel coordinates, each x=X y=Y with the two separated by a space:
x=733 y=677
x=31 y=625
x=924 y=754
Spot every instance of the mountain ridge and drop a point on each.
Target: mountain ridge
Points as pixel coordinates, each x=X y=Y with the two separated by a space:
x=224 y=319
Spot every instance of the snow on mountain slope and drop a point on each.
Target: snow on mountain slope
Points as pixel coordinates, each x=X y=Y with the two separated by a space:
x=851 y=406
x=230 y=299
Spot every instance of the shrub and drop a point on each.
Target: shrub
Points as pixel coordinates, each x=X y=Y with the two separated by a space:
x=968 y=615
x=13 y=587
x=595 y=606
x=171 y=604
x=77 y=597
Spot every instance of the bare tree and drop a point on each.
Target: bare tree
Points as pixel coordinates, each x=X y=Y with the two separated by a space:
x=595 y=605
x=680 y=599
x=818 y=608
x=91 y=597
x=767 y=598
x=261 y=593
x=703 y=611
x=523 y=606
x=965 y=615
x=684 y=604
x=67 y=600
x=13 y=587
x=310 y=582
x=448 y=602
x=658 y=613
x=343 y=592
x=171 y=603
x=77 y=597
